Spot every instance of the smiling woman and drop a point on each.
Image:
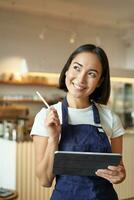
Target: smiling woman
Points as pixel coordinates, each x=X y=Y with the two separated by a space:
x=83 y=76
x=95 y=60
x=78 y=124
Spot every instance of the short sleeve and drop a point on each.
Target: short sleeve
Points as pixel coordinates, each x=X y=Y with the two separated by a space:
x=38 y=127
x=117 y=127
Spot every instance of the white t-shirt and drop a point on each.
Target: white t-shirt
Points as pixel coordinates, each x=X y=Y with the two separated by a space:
x=109 y=120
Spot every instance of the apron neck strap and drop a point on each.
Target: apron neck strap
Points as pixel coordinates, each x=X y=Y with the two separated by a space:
x=64 y=112
x=96 y=114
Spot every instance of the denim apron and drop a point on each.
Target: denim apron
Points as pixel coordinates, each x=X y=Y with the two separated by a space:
x=86 y=138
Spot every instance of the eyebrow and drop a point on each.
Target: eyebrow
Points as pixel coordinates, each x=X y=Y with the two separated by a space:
x=82 y=66
x=78 y=64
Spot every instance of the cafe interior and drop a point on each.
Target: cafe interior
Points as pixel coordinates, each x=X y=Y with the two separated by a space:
x=36 y=39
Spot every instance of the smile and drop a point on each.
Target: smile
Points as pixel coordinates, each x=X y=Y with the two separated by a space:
x=79 y=87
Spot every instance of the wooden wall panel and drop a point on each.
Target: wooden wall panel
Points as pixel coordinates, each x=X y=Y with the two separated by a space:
x=125 y=189
x=28 y=186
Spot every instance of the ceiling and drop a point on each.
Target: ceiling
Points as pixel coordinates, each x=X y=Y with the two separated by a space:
x=115 y=13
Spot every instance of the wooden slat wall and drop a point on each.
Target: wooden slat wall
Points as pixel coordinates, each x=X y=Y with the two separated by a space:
x=125 y=189
x=28 y=186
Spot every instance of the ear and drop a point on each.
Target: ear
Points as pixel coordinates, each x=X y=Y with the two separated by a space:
x=100 y=82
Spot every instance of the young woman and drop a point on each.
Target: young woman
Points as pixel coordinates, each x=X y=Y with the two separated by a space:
x=82 y=122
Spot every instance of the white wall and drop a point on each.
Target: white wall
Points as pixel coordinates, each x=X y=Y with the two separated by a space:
x=20 y=36
x=7 y=164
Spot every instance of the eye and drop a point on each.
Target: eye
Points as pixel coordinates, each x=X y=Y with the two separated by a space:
x=92 y=74
x=77 y=68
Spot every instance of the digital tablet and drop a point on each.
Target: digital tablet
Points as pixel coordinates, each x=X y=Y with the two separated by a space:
x=83 y=163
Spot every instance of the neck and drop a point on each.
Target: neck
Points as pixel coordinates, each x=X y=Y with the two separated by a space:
x=78 y=102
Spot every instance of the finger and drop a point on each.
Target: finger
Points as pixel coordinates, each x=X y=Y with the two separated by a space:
x=112 y=179
x=118 y=168
x=52 y=109
x=55 y=114
x=113 y=167
x=107 y=172
x=115 y=177
x=104 y=171
x=103 y=175
x=54 y=119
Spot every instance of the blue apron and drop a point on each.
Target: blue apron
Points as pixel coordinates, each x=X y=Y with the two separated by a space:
x=88 y=138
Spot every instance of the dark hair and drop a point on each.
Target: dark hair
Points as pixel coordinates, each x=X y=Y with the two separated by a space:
x=101 y=93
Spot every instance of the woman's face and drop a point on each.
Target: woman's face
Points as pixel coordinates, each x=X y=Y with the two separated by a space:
x=83 y=75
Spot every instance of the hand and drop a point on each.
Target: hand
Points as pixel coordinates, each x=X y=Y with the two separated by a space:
x=114 y=174
x=52 y=123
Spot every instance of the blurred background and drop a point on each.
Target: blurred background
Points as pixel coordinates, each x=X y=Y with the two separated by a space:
x=36 y=39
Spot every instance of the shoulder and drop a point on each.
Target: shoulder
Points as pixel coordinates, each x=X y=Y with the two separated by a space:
x=106 y=111
x=110 y=120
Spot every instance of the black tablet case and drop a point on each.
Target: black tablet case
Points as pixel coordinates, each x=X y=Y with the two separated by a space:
x=83 y=164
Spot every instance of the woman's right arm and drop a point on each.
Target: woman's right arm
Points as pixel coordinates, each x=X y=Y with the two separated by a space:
x=45 y=148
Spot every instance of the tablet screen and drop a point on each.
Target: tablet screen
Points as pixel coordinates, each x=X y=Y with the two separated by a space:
x=83 y=163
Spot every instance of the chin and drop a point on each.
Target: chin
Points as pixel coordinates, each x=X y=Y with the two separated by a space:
x=79 y=96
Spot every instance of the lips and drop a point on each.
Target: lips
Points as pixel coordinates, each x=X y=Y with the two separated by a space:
x=78 y=86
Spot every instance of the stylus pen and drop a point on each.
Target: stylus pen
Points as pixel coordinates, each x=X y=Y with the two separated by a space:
x=44 y=101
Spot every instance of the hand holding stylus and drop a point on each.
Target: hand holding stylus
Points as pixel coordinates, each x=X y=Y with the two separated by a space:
x=52 y=121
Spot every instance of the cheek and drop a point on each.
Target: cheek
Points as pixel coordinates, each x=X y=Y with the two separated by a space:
x=67 y=79
x=69 y=75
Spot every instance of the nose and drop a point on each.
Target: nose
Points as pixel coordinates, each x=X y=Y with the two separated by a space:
x=82 y=77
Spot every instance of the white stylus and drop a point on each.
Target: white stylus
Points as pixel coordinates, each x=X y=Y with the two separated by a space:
x=44 y=101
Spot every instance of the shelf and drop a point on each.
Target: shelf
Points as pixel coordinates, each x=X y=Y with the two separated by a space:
x=13 y=112
x=39 y=83
x=31 y=78
x=50 y=102
x=21 y=100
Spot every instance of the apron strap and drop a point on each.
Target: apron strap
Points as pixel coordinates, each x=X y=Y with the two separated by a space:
x=95 y=113
x=64 y=112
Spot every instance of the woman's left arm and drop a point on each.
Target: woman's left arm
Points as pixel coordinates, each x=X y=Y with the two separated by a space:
x=115 y=174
